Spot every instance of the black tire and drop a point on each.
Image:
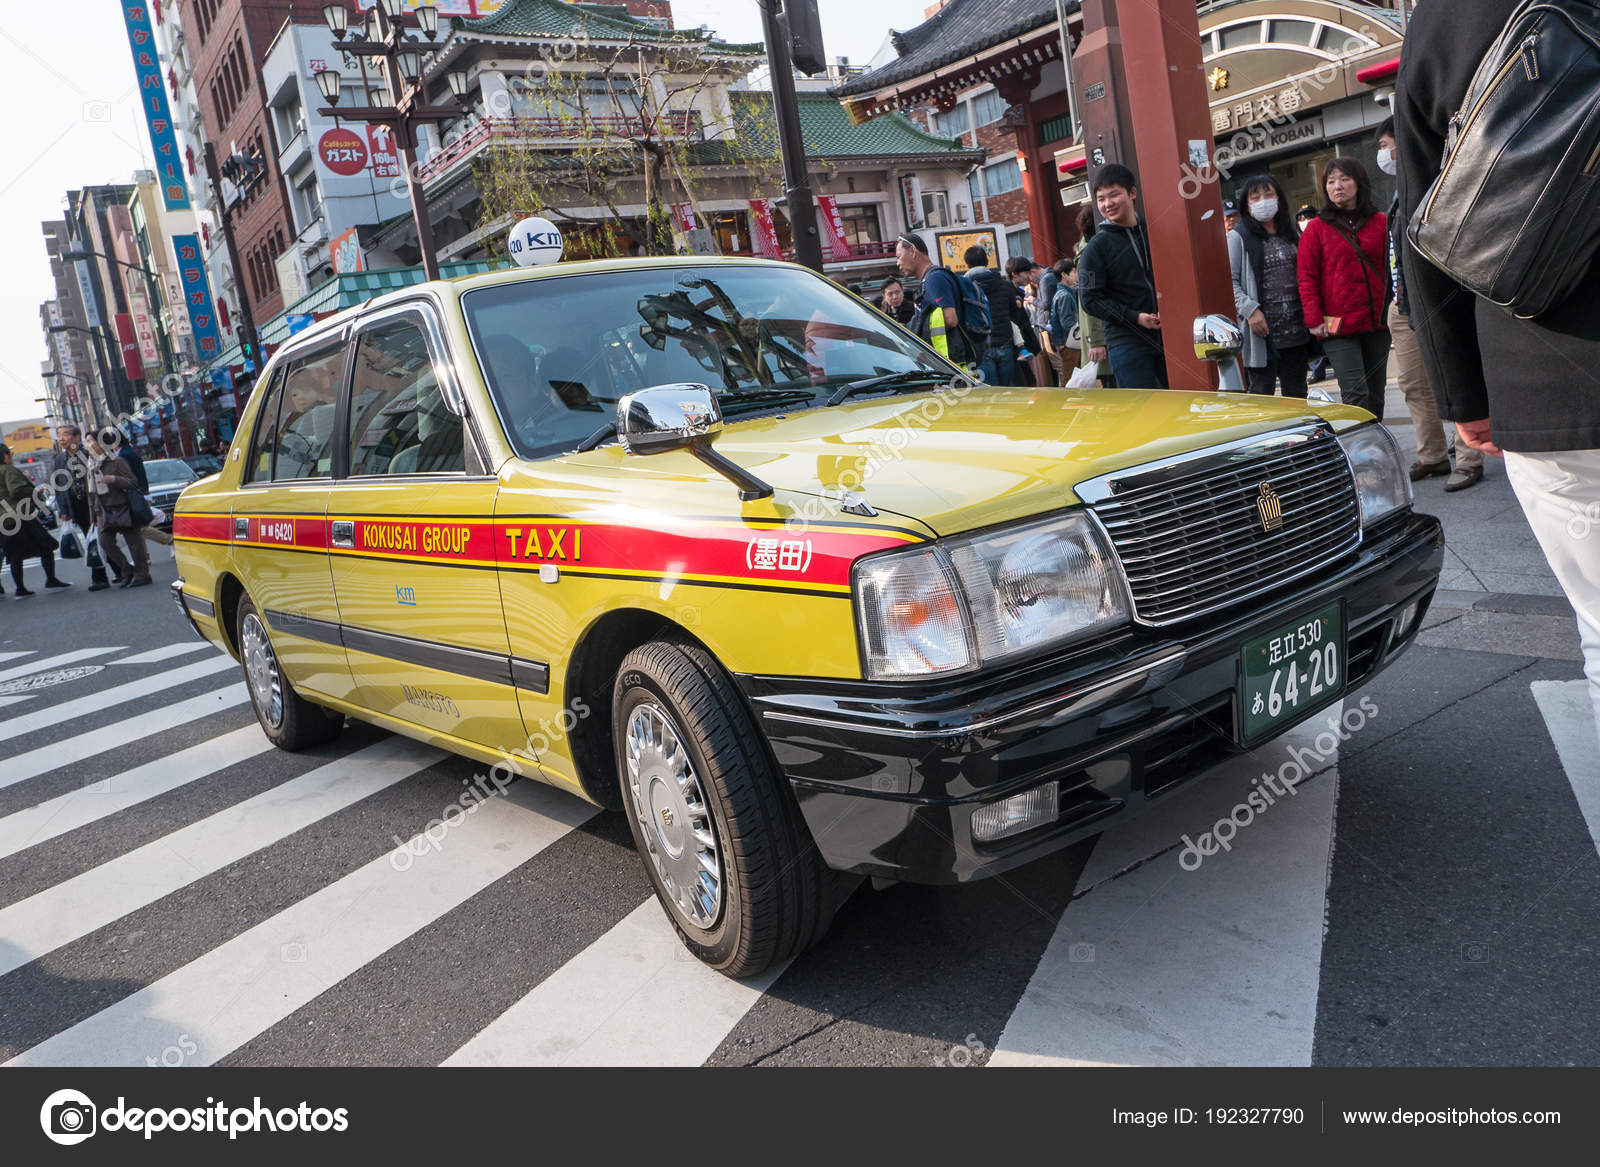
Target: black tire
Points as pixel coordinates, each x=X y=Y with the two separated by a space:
x=290 y=721
x=776 y=896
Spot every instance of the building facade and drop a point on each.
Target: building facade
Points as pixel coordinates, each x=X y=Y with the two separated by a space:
x=226 y=42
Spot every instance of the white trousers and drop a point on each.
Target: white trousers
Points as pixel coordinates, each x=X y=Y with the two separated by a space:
x=1560 y=494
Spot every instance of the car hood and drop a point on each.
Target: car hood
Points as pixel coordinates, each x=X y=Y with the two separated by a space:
x=995 y=455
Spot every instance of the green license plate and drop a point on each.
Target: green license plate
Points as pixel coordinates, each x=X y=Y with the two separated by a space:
x=1285 y=675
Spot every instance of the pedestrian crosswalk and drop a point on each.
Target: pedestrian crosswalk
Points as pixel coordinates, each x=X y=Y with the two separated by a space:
x=169 y=882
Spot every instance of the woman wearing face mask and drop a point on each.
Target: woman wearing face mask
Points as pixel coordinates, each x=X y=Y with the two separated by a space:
x=1262 y=250
x=1344 y=283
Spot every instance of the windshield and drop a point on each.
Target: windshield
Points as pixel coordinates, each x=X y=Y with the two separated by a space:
x=168 y=471
x=559 y=352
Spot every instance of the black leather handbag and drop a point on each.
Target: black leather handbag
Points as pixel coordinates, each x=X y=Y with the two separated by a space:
x=1515 y=212
x=139 y=508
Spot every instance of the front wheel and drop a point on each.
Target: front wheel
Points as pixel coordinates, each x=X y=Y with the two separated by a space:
x=290 y=721
x=719 y=834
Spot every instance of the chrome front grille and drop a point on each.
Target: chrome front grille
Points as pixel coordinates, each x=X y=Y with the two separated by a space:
x=1193 y=532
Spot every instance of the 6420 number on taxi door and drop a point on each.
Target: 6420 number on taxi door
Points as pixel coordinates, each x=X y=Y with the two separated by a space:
x=1289 y=673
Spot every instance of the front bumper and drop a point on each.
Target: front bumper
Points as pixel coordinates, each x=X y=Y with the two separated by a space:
x=887 y=776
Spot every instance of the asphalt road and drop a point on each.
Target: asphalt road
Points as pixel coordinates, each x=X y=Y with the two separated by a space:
x=173 y=891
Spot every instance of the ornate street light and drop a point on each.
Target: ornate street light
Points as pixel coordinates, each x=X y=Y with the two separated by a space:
x=390 y=37
x=329 y=81
x=338 y=18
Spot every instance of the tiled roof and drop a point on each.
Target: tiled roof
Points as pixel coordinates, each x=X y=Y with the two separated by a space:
x=826 y=131
x=960 y=29
x=553 y=18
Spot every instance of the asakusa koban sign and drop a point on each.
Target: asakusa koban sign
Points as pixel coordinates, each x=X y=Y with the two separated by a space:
x=1263 y=138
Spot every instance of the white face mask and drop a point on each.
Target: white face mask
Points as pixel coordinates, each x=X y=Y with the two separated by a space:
x=1386 y=162
x=1264 y=210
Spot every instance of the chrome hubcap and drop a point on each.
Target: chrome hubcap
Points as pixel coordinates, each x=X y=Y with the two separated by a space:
x=261 y=671
x=674 y=821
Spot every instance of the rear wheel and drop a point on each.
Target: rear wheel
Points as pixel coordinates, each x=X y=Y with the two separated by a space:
x=288 y=719
x=718 y=831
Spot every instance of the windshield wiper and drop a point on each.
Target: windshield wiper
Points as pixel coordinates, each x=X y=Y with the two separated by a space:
x=731 y=402
x=604 y=434
x=904 y=377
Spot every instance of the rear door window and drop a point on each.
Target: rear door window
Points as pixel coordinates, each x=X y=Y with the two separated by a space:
x=306 y=415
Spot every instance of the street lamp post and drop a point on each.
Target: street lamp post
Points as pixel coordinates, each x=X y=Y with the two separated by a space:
x=400 y=59
x=248 y=175
x=802 y=210
x=94 y=347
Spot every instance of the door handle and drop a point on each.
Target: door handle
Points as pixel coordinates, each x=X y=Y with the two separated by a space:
x=344 y=533
x=241 y=529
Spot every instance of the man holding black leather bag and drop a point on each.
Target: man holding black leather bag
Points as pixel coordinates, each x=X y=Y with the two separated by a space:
x=1523 y=380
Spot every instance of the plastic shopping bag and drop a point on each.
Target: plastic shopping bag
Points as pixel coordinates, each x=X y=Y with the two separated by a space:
x=71 y=541
x=1085 y=376
x=91 y=551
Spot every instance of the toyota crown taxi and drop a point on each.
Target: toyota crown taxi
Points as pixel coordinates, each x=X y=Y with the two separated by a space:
x=713 y=543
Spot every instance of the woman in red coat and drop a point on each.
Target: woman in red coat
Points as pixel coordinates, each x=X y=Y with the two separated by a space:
x=1344 y=283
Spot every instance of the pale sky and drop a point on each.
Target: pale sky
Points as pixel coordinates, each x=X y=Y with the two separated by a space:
x=75 y=122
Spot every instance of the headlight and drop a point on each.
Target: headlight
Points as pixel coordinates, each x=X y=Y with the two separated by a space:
x=1380 y=472
x=982 y=598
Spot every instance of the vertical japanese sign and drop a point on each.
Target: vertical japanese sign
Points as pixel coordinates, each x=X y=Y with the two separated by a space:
x=197 y=296
x=91 y=306
x=834 y=244
x=911 y=200
x=130 y=347
x=385 y=156
x=683 y=216
x=144 y=326
x=763 y=233
x=157 y=115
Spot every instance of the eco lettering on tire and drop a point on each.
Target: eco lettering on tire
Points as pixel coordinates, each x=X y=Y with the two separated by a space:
x=304 y=723
x=778 y=897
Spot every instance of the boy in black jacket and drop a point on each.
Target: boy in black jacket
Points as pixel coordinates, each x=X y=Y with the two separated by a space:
x=1117 y=283
x=1527 y=388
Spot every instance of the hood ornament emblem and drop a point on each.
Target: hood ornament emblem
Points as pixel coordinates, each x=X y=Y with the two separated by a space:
x=1270 y=507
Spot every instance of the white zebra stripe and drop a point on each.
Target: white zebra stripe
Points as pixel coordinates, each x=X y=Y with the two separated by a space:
x=78 y=808
x=86 y=745
x=116 y=695
x=55 y=662
x=167 y=652
x=76 y=907
x=247 y=985
x=635 y=997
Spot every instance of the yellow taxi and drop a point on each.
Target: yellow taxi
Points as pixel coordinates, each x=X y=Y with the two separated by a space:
x=714 y=543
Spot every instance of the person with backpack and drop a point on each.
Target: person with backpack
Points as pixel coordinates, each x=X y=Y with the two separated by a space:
x=999 y=364
x=1091 y=329
x=1262 y=251
x=952 y=315
x=1344 y=255
x=1523 y=387
x=1433 y=441
x=1117 y=283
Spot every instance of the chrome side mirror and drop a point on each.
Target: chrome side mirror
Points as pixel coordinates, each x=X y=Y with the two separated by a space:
x=667 y=417
x=682 y=416
x=1319 y=394
x=1218 y=339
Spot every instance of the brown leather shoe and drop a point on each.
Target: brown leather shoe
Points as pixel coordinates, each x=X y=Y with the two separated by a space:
x=1462 y=477
x=1421 y=470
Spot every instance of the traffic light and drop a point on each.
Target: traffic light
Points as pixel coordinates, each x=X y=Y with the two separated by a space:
x=805 y=36
x=251 y=352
